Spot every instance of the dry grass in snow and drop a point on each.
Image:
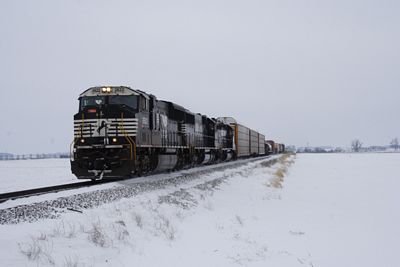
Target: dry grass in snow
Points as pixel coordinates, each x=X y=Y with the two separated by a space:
x=284 y=163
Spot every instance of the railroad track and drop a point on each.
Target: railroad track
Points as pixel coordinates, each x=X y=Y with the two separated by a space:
x=63 y=187
x=48 y=189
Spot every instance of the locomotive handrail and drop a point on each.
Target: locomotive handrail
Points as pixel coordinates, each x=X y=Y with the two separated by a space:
x=128 y=138
x=73 y=141
x=70 y=149
x=83 y=124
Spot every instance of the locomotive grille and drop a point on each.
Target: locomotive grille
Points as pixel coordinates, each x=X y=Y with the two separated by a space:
x=105 y=127
x=182 y=128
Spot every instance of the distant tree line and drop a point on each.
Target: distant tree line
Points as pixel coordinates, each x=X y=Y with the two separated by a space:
x=395 y=143
x=357 y=146
x=8 y=156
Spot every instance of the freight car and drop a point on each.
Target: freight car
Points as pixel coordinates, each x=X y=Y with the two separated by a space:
x=271 y=147
x=268 y=148
x=122 y=132
x=281 y=148
x=247 y=142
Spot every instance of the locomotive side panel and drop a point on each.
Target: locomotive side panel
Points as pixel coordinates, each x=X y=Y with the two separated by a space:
x=188 y=127
x=198 y=131
x=155 y=123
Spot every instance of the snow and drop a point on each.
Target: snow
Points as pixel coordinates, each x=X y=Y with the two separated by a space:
x=16 y=175
x=312 y=210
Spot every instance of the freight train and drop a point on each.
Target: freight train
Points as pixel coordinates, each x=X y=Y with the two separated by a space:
x=125 y=132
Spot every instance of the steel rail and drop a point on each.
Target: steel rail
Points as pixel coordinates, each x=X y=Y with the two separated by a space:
x=49 y=189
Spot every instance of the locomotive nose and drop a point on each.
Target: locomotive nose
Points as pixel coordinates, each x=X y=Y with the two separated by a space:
x=100 y=164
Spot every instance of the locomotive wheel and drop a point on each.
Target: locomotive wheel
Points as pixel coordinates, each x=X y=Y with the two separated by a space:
x=144 y=165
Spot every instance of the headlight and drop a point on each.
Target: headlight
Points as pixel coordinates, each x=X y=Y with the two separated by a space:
x=106 y=89
x=114 y=140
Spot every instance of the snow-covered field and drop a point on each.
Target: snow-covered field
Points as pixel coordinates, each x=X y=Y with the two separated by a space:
x=18 y=175
x=308 y=210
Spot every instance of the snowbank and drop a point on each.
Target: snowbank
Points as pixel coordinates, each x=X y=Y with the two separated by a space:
x=323 y=210
x=18 y=175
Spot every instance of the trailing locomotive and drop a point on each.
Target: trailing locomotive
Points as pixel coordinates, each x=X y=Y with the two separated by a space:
x=121 y=132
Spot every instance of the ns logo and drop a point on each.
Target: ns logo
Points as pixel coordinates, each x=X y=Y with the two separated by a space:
x=101 y=128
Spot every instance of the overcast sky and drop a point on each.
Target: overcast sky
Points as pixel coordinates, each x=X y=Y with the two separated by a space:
x=302 y=72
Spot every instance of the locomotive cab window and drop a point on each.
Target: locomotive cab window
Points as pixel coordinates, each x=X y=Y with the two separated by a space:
x=143 y=103
x=127 y=100
x=92 y=101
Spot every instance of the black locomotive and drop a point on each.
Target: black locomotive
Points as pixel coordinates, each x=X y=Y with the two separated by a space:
x=122 y=132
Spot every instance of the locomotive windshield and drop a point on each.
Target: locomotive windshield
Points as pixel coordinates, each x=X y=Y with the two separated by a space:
x=92 y=101
x=97 y=101
x=127 y=100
